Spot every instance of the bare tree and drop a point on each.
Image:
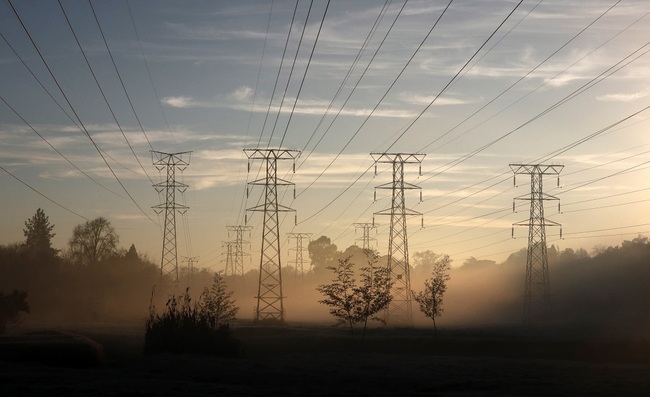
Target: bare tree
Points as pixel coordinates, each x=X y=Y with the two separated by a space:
x=430 y=299
x=352 y=303
x=93 y=242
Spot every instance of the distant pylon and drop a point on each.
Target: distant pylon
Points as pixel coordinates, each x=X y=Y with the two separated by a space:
x=270 y=305
x=171 y=162
x=537 y=290
x=299 y=264
x=400 y=309
x=366 y=239
x=238 y=247
x=229 y=270
x=190 y=266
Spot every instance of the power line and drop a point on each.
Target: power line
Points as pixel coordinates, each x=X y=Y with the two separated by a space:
x=92 y=72
x=42 y=194
x=306 y=70
x=146 y=65
x=454 y=78
x=277 y=78
x=74 y=111
x=119 y=76
x=293 y=65
x=352 y=66
x=390 y=87
x=55 y=149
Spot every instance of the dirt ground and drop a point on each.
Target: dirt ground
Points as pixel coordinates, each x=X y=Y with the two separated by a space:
x=308 y=360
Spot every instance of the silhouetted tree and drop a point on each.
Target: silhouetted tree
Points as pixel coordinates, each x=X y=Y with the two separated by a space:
x=322 y=253
x=473 y=263
x=132 y=254
x=430 y=299
x=10 y=307
x=423 y=263
x=351 y=303
x=374 y=289
x=93 y=242
x=218 y=303
x=38 y=234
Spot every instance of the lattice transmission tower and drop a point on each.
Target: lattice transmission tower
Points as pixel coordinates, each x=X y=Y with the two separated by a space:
x=190 y=260
x=298 y=262
x=171 y=162
x=238 y=253
x=270 y=304
x=229 y=268
x=400 y=309
x=366 y=239
x=537 y=290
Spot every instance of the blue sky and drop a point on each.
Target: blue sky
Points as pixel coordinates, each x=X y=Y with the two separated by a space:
x=200 y=76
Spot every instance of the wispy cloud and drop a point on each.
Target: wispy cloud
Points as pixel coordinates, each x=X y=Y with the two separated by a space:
x=622 y=97
x=416 y=99
x=240 y=99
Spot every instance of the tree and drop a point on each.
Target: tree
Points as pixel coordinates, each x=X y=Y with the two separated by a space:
x=340 y=296
x=430 y=299
x=374 y=289
x=132 y=254
x=38 y=233
x=10 y=307
x=322 y=253
x=352 y=303
x=93 y=242
x=423 y=263
x=218 y=303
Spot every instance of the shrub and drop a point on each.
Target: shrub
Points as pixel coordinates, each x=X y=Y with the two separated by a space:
x=202 y=327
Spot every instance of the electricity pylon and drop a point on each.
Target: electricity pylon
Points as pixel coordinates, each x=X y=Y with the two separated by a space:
x=366 y=239
x=190 y=260
x=299 y=264
x=400 y=309
x=238 y=247
x=537 y=290
x=171 y=162
x=270 y=305
x=229 y=270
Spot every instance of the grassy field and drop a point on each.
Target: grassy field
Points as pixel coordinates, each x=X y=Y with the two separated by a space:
x=311 y=360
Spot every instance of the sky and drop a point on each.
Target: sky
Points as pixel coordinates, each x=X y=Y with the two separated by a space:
x=469 y=86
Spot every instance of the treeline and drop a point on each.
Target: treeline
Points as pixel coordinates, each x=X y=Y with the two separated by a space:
x=92 y=280
x=607 y=290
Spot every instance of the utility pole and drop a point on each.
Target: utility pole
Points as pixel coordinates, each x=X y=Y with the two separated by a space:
x=300 y=248
x=400 y=309
x=270 y=305
x=190 y=260
x=366 y=239
x=171 y=162
x=238 y=247
x=537 y=291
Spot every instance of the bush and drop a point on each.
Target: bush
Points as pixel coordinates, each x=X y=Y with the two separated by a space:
x=199 y=328
x=10 y=307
